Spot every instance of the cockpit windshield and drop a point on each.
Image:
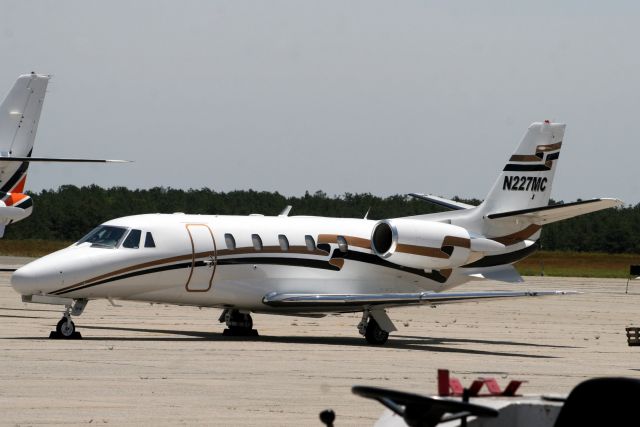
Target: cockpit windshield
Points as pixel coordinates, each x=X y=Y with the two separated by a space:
x=104 y=236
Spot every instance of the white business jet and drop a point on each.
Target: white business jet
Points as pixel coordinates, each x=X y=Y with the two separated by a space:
x=313 y=266
x=19 y=117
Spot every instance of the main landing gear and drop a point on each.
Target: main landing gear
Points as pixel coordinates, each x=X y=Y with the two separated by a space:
x=375 y=326
x=239 y=324
x=66 y=329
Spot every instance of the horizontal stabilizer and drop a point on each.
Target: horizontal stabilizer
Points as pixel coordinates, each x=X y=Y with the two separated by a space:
x=393 y=299
x=59 y=160
x=440 y=201
x=548 y=214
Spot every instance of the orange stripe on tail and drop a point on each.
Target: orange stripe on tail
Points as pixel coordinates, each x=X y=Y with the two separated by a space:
x=19 y=188
x=14 y=198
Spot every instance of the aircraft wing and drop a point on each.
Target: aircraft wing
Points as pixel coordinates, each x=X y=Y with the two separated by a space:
x=319 y=301
x=548 y=214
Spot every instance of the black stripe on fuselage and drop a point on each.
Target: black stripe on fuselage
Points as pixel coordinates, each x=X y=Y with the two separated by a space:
x=375 y=259
x=133 y=274
x=293 y=262
x=508 y=258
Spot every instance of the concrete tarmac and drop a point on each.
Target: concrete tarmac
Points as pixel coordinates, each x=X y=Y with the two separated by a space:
x=168 y=365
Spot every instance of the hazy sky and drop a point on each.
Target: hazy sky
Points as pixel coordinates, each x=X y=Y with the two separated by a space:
x=340 y=96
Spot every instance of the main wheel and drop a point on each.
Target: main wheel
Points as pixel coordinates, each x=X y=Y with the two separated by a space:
x=65 y=328
x=248 y=321
x=240 y=320
x=374 y=333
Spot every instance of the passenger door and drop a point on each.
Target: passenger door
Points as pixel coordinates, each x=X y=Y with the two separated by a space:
x=203 y=260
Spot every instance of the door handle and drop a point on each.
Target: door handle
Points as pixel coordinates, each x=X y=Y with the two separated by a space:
x=209 y=262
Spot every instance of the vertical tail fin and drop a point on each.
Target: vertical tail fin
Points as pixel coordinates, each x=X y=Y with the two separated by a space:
x=525 y=181
x=19 y=117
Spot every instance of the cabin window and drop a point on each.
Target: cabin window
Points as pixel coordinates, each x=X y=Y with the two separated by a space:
x=133 y=240
x=311 y=244
x=230 y=241
x=148 y=241
x=257 y=242
x=284 y=243
x=342 y=244
x=104 y=236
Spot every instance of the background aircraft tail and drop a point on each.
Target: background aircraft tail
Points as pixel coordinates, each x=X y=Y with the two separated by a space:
x=19 y=117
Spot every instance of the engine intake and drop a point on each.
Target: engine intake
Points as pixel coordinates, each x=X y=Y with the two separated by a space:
x=421 y=244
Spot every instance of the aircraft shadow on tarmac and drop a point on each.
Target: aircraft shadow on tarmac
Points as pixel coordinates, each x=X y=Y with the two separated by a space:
x=22 y=317
x=400 y=342
x=29 y=310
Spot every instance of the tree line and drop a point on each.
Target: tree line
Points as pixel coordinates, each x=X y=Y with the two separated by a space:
x=70 y=212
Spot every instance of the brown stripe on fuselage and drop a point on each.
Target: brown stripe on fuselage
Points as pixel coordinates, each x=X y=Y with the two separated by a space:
x=421 y=251
x=456 y=241
x=358 y=242
x=519 y=236
x=550 y=147
x=460 y=242
x=337 y=262
x=134 y=267
x=222 y=252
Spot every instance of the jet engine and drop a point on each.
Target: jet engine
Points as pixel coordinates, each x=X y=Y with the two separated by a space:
x=427 y=244
x=14 y=207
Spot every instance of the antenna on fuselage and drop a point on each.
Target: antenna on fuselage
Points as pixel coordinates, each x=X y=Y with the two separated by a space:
x=285 y=211
x=366 y=216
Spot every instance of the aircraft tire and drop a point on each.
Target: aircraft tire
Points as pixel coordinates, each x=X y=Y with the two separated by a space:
x=240 y=321
x=374 y=334
x=249 y=322
x=65 y=329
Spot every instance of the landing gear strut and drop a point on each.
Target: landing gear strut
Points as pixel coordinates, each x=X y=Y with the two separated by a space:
x=65 y=328
x=371 y=330
x=238 y=324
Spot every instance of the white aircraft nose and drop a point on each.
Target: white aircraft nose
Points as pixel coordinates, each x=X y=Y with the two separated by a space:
x=35 y=278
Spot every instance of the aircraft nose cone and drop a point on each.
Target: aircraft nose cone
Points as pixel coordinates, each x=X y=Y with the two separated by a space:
x=34 y=279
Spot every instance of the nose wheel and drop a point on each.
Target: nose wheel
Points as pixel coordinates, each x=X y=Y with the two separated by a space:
x=65 y=328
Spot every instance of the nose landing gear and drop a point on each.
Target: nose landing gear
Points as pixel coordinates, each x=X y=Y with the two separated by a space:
x=66 y=329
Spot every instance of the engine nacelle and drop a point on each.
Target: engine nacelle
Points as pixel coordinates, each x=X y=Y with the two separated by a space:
x=421 y=244
x=14 y=207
